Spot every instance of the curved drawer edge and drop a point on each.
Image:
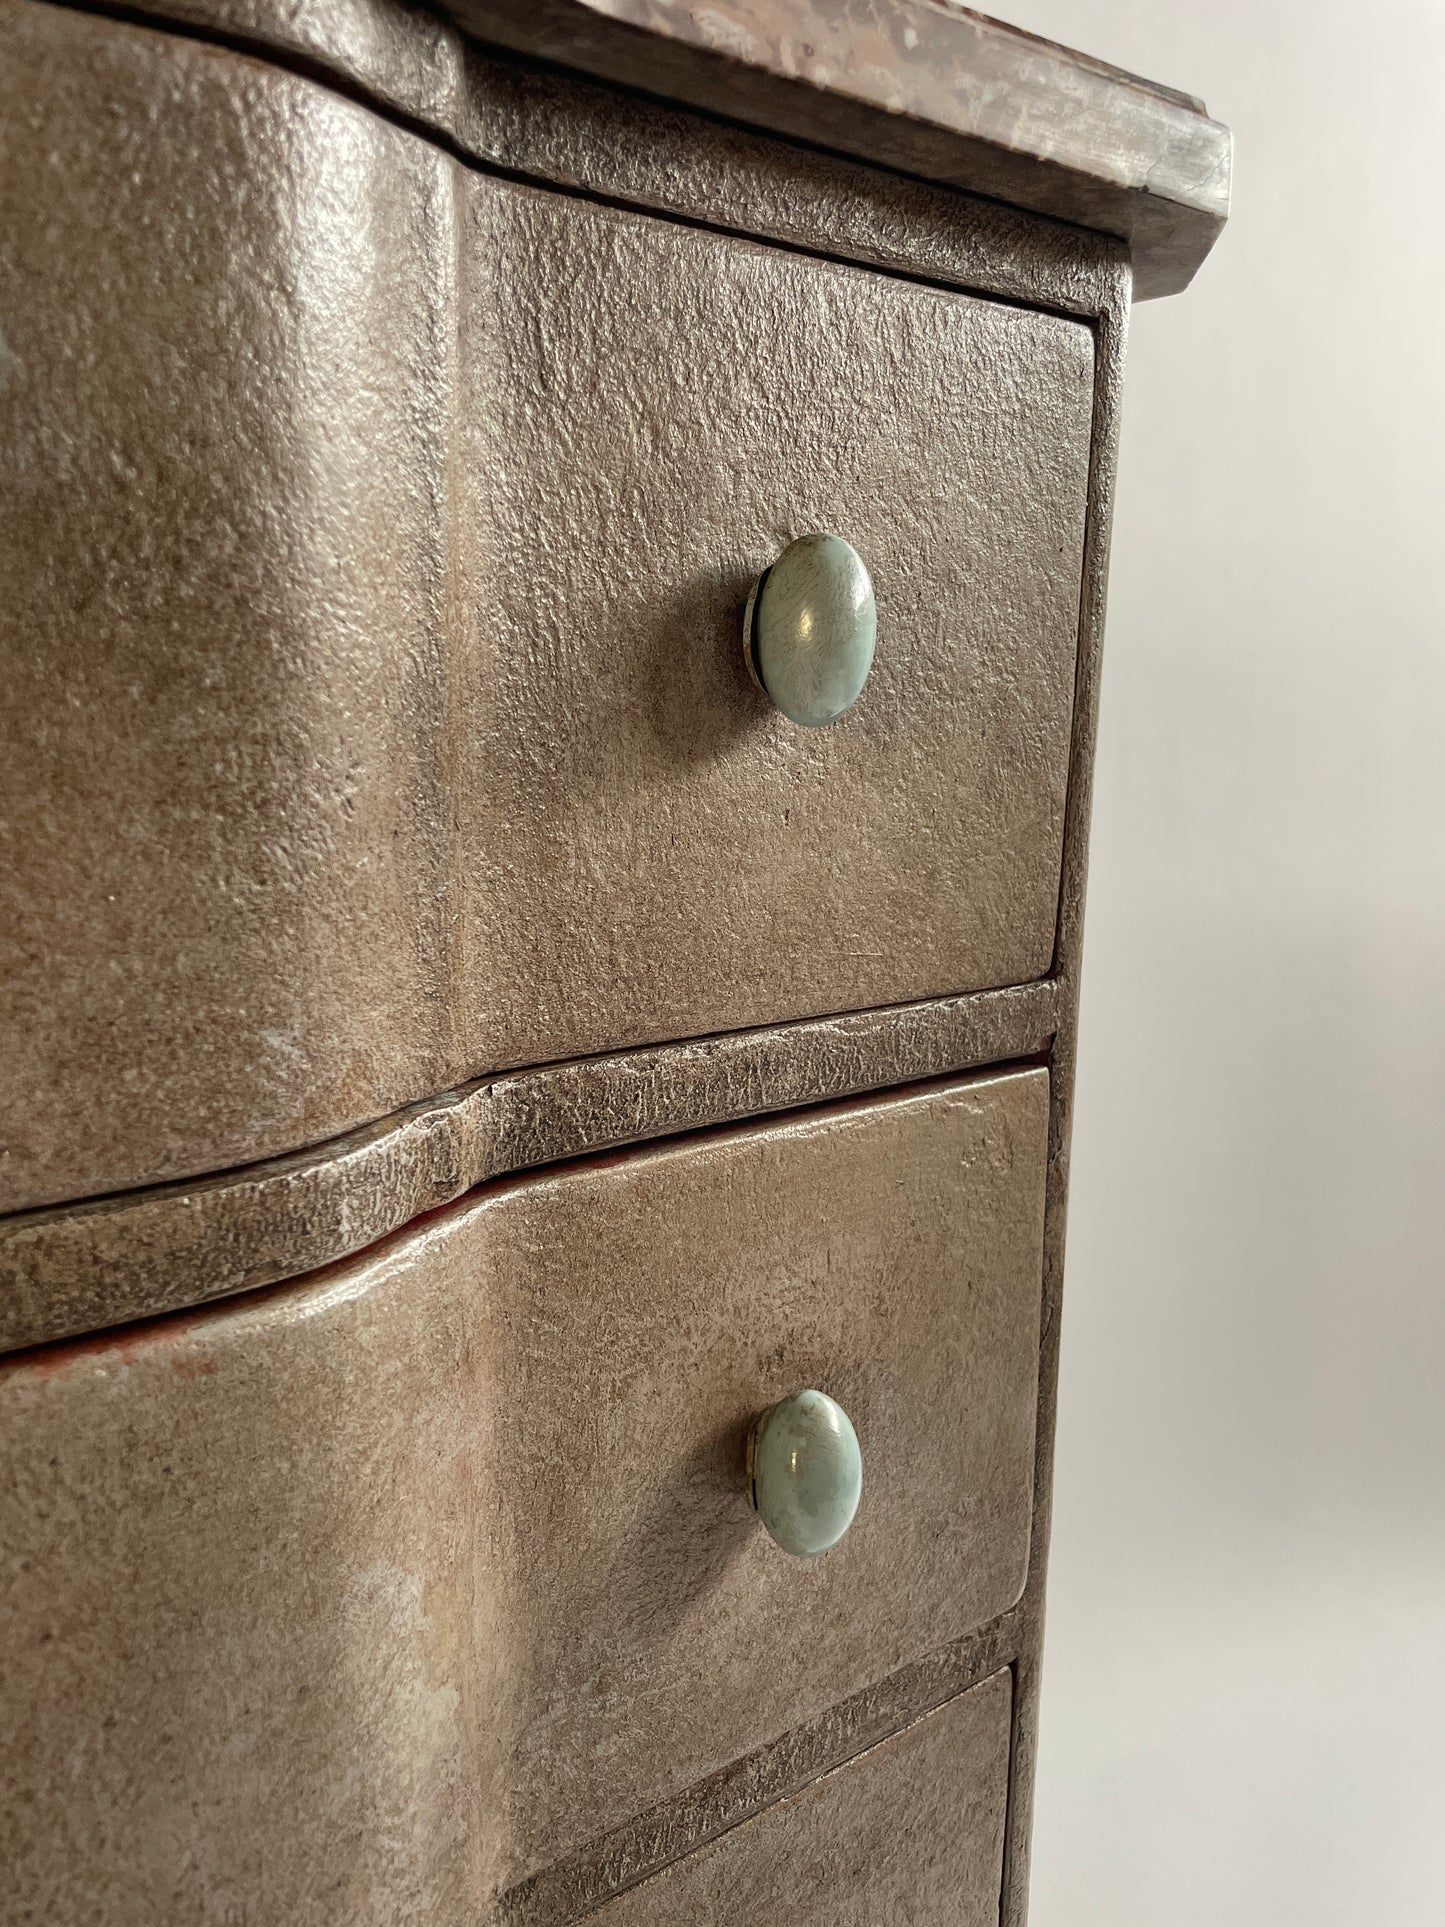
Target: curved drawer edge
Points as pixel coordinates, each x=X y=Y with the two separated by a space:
x=76 y=1268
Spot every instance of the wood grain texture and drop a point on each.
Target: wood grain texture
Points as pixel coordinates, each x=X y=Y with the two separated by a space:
x=362 y=1599
x=912 y=1832
x=366 y=745
x=77 y=1268
x=936 y=91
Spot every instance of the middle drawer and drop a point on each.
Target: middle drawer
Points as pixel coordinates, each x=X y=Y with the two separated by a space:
x=639 y=1314
x=469 y=1512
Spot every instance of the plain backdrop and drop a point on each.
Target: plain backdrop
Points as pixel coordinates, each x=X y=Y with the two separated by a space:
x=1244 y=1685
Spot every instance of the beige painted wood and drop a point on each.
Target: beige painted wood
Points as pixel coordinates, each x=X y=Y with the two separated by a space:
x=911 y=1833
x=68 y=1269
x=373 y=699
x=652 y=849
x=364 y=1598
x=225 y=877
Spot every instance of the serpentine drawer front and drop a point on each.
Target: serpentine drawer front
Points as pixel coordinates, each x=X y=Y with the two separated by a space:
x=552 y=572
x=911 y=1833
x=654 y=849
x=411 y=1580
x=468 y=770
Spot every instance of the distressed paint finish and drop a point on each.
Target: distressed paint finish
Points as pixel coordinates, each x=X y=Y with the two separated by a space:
x=75 y=1268
x=934 y=90
x=557 y=128
x=361 y=747
x=417 y=1552
x=225 y=893
x=365 y=1494
x=725 y=1799
x=913 y=1832
x=652 y=849
x=938 y=91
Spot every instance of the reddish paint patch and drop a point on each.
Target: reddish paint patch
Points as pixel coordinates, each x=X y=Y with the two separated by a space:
x=130 y=1345
x=194 y=1366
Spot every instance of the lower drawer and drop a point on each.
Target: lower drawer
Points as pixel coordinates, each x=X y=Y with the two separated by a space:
x=369 y=1596
x=911 y=1835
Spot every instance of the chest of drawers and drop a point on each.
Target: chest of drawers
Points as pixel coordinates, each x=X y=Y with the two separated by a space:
x=473 y=1058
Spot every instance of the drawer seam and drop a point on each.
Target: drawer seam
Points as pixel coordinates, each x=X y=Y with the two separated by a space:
x=70 y=1269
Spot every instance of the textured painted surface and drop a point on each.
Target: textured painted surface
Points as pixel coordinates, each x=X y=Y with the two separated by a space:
x=236 y=1577
x=557 y=127
x=366 y=744
x=1111 y=340
x=172 y=1245
x=654 y=850
x=725 y=1799
x=552 y=126
x=911 y=1833
x=937 y=91
x=892 y=1253
x=376 y=1593
x=225 y=895
x=76 y=1268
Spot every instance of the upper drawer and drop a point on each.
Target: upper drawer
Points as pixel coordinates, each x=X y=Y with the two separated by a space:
x=647 y=414
x=420 y=1575
x=373 y=694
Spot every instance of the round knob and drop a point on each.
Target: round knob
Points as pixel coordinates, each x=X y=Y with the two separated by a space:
x=807 y=1472
x=810 y=628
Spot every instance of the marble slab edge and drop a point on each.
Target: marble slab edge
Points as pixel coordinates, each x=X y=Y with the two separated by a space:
x=934 y=92
x=70 y=1269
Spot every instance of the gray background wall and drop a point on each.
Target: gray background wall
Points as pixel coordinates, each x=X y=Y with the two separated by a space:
x=1244 y=1698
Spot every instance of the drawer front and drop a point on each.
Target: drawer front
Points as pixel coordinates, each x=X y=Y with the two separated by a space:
x=224 y=878
x=451 y=1547
x=640 y=1316
x=374 y=699
x=648 y=414
x=911 y=1833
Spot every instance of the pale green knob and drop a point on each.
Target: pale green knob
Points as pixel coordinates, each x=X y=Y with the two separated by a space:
x=810 y=629
x=806 y=1469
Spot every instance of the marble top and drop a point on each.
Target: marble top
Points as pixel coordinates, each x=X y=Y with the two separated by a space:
x=926 y=86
